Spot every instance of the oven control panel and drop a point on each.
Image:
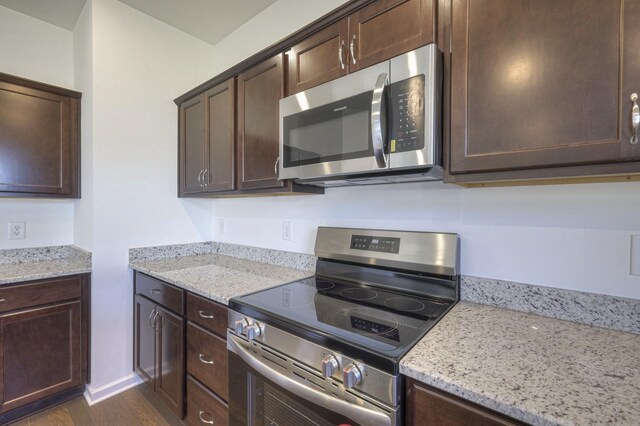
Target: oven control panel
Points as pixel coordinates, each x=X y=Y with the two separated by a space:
x=381 y=244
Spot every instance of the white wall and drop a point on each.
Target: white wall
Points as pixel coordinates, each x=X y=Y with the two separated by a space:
x=36 y=50
x=83 y=81
x=574 y=236
x=139 y=66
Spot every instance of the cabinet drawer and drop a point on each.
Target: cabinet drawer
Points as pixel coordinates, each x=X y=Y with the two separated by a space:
x=207 y=359
x=162 y=293
x=39 y=293
x=203 y=406
x=208 y=314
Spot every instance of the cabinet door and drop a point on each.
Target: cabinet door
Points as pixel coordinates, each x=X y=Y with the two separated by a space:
x=429 y=407
x=191 y=123
x=41 y=353
x=38 y=141
x=542 y=83
x=259 y=92
x=170 y=360
x=220 y=137
x=319 y=58
x=388 y=28
x=145 y=340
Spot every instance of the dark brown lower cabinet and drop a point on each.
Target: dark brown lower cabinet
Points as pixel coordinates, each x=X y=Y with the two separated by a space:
x=43 y=344
x=427 y=406
x=203 y=406
x=159 y=351
x=180 y=350
x=207 y=363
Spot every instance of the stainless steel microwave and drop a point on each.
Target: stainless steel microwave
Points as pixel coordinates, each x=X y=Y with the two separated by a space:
x=377 y=125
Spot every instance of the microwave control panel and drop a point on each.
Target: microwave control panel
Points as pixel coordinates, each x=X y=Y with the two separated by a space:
x=406 y=98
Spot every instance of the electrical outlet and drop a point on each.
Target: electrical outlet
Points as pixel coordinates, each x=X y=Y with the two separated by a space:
x=221 y=226
x=17 y=230
x=286 y=230
x=635 y=255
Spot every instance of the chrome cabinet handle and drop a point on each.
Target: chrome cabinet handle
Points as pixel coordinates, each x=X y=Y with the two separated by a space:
x=209 y=422
x=356 y=413
x=205 y=315
x=205 y=361
x=155 y=322
x=205 y=177
x=160 y=323
x=635 y=118
x=150 y=321
x=3 y=300
x=200 y=177
x=340 y=55
x=352 y=49
x=155 y=291
x=377 y=120
x=275 y=166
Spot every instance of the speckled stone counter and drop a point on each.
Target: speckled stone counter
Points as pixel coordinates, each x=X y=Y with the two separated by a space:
x=218 y=277
x=17 y=265
x=540 y=370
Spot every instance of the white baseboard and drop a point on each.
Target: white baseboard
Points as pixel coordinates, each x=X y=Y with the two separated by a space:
x=95 y=395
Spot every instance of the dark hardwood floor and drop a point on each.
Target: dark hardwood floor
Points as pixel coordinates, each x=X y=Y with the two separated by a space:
x=137 y=406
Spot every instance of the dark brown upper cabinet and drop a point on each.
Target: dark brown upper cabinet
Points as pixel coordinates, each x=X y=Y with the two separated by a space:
x=388 y=28
x=39 y=139
x=320 y=58
x=259 y=92
x=372 y=34
x=206 y=141
x=541 y=88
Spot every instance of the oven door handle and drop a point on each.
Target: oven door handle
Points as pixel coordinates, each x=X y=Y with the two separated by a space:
x=378 y=121
x=354 y=412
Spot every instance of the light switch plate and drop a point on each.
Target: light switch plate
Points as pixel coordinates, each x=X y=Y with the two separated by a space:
x=17 y=230
x=635 y=255
x=286 y=230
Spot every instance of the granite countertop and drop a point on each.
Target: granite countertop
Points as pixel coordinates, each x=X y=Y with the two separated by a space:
x=218 y=277
x=18 y=265
x=535 y=369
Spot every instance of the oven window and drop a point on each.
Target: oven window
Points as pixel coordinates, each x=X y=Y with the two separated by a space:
x=273 y=407
x=338 y=131
x=256 y=401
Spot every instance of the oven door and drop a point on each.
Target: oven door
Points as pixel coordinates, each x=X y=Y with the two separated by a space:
x=338 y=128
x=263 y=390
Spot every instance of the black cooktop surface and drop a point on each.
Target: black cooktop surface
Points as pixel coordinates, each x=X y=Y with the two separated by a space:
x=377 y=324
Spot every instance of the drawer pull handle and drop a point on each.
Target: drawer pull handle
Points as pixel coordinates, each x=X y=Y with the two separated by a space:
x=205 y=361
x=209 y=422
x=204 y=314
x=155 y=291
x=635 y=118
x=3 y=300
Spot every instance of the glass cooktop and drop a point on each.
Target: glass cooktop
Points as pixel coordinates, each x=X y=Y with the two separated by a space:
x=346 y=315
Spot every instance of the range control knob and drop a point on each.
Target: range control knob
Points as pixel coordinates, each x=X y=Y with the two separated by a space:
x=329 y=365
x=241 y=326
x=351 y=376
x=254 y=330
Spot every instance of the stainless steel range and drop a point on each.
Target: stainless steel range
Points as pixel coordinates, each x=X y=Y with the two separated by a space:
x=325 y=350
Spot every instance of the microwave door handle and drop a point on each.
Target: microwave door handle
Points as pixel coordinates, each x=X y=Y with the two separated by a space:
x=377 y=122
x=356 y=413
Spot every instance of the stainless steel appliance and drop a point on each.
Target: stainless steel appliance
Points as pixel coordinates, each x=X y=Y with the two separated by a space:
x=377 y=125
x=325 y=350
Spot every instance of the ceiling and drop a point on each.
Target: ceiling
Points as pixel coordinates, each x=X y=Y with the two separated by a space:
x=208 y=20
x=62 y=13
